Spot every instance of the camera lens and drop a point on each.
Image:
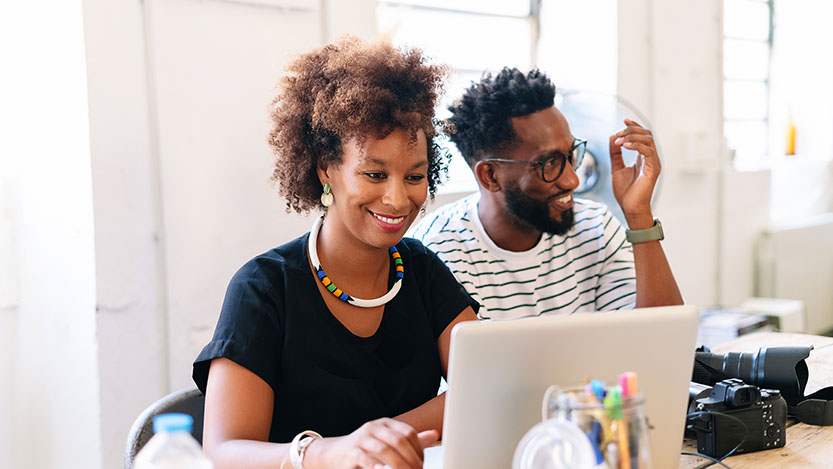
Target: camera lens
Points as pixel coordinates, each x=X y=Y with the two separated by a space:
x=780 y=368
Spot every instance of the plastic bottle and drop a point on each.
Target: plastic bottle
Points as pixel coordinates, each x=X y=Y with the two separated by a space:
x=172 y=445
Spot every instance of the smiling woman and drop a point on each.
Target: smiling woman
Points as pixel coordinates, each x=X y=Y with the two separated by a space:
x=329 y=349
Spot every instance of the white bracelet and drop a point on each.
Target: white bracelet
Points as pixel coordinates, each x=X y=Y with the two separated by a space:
x=298 y=447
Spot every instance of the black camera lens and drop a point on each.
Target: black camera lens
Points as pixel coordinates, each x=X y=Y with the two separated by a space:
x=780 y=368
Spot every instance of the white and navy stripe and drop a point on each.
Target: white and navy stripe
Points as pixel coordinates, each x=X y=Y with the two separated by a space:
x=589 y=269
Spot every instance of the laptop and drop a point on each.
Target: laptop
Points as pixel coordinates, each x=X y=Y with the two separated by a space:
x=499 y=370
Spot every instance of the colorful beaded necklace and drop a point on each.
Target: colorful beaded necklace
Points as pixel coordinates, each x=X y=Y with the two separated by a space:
x=312 y=247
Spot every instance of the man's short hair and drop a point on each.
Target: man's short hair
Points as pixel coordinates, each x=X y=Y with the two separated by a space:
x=481 y=118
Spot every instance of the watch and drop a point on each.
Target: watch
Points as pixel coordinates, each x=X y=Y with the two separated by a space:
x=653 y=233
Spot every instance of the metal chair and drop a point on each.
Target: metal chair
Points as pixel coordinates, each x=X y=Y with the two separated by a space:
x=186 y=401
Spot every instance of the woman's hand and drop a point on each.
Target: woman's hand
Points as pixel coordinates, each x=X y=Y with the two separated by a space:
x=633 y=186
x=383 y=443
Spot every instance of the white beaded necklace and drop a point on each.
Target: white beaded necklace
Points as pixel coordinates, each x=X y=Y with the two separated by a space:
x=330 y=286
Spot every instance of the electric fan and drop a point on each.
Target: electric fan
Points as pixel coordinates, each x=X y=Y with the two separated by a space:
x=595 y=116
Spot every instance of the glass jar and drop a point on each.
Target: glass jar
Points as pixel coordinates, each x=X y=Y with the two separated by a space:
x=616 y=427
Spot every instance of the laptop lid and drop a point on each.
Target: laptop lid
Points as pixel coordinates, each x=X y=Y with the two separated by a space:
x=499 y=370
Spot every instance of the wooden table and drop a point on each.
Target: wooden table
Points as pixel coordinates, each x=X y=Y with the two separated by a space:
x=807 y=445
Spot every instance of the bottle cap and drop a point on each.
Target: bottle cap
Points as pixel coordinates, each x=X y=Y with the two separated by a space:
x=172 y=423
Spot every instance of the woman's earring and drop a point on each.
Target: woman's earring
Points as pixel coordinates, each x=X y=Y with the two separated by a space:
x=327 y=196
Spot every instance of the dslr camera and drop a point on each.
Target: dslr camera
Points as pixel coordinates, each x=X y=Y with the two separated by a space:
x=762 y=411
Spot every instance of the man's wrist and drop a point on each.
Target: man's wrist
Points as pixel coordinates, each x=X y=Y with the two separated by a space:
x=640 y=221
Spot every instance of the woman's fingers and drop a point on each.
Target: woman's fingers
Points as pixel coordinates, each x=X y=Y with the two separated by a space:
x=390 y=443
x=368 y=461
x=409 y=433
x=399 y=450
x=428 y=438
x=379 y=451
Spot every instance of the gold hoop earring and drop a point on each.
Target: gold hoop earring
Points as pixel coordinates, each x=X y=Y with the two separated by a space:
x=327 y=196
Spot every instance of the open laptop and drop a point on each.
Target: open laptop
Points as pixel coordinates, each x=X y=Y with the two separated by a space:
x=499 y=370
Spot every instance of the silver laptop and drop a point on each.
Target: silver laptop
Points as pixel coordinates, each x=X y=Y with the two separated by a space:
x=499 y=370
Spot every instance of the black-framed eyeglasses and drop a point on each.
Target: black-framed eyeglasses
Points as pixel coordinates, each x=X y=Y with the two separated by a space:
x=553 y=164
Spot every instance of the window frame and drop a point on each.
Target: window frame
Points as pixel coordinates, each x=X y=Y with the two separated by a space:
x=452 y=184
x=766 y=156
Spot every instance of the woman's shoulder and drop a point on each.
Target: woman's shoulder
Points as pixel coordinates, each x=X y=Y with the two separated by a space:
x=418 y=257
x=414 y=248
x=275 y=263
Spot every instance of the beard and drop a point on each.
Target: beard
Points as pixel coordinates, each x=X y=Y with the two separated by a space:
x=536 y=213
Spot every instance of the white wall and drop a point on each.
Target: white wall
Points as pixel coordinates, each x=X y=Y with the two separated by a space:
x=683 y=99
x=213 y=69
x=131 y=333
x=50 y=384
x=801 y=84
x=178 y=121
x=214 y=65
x=670 y=66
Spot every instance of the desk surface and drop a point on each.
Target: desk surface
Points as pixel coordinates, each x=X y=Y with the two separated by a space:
x=807 y=445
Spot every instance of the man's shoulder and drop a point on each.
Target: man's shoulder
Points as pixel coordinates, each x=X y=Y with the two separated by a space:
x=592 y=217
x=586 y=208
x=448 y=222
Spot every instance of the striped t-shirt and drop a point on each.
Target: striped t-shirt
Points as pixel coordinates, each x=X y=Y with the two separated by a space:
x=589 y=269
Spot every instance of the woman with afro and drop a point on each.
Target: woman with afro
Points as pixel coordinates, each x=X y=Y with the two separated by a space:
x=329 y=349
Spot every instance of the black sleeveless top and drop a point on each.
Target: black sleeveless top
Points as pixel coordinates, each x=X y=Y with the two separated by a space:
x=275 y=323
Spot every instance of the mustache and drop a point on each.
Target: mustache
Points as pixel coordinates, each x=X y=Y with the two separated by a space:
x=553 y=197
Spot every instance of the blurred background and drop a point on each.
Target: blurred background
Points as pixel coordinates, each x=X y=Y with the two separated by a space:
x=134 y=169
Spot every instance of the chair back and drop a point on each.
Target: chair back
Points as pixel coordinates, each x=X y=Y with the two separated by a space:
x=185 y=401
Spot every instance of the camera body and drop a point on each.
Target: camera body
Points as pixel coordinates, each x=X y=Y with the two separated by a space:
x=763 y=411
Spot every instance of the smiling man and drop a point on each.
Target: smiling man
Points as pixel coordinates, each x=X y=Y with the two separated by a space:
x=523 y=246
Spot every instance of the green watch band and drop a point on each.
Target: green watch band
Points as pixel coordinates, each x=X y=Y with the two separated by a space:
x=653 y=233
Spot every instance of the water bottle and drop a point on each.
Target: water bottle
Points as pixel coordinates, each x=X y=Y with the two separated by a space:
x=172 y=445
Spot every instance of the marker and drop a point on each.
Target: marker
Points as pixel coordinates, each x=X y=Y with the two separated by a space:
x=629 y=384
x=613 y=402
x=630 y=388
x=598 y=387
x=595 y=436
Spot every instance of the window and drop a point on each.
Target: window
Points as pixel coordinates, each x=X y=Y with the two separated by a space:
x=747 y=48
x=471 y=36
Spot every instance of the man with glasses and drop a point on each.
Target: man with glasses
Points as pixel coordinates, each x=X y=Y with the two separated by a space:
x=523 y=246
